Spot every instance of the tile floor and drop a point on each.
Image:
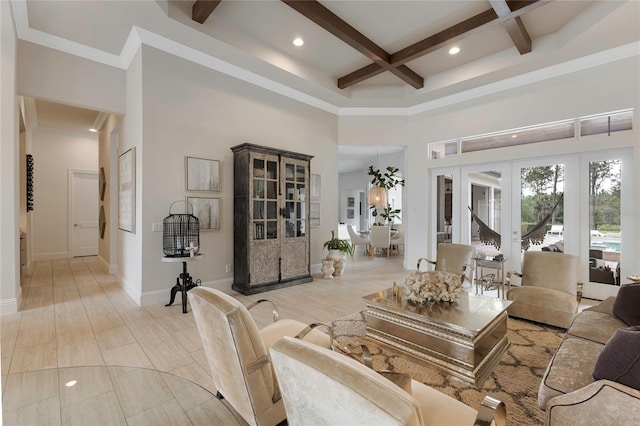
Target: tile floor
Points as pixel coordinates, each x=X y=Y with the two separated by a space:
x=75 y=314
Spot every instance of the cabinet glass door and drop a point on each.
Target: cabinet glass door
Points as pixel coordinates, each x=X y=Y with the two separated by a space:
x=265 y=199
x=295 y=193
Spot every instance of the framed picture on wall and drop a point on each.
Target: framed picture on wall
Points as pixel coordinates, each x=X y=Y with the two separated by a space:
x=314 y=215
x=127 y=191
x=202 y=174
x=315 y=186
x=207 y=210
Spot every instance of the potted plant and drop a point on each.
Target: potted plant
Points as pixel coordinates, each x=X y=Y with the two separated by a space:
x=388 y=179
x=338 y=249
x=336 y=244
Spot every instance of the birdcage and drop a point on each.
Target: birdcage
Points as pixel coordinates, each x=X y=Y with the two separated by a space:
x=181 y=233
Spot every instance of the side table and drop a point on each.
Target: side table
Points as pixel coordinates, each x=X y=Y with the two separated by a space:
x=490 y=280
x=187 y=281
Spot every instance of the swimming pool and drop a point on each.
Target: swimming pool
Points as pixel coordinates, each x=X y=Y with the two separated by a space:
x=607 y=245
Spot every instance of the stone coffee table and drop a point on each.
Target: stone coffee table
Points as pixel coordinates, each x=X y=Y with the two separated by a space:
x=465 y=339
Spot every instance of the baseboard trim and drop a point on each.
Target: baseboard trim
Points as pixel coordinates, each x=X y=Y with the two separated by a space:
x=113 y=269
x=51 y=256
x=130 y=290
x=157 y=297
x=9 y=306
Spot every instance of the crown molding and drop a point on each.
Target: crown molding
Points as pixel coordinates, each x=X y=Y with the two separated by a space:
x=139 y=36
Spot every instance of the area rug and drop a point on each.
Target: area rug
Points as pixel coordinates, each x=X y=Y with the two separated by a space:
x=515 y=380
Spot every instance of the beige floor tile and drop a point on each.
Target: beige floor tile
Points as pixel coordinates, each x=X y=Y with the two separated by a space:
x=78 y=384
x=114 y=337
x=214 y=412
x=139 y=390
x=168 y=413
x=201 y=359
x=103 y=318
x=139 y=318
x=32 y=336
x=188 y=338
x=24 y=389
x=168 y=356
x=150 y=334
x=79 y=352
x=195 y=373
x=46 y=412
x=35 y=357
x=94 y=410
x=129 y=355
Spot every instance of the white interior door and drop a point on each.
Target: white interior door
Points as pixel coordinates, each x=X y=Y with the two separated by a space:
x=83 y=217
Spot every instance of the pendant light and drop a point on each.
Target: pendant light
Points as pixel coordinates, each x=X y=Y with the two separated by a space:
x=377 y=195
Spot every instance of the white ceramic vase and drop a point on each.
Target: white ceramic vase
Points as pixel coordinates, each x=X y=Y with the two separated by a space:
x=327 y=269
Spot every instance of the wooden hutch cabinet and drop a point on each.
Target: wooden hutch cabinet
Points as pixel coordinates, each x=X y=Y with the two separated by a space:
x=271 y=218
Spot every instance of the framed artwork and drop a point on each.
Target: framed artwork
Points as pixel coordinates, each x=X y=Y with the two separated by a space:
x=351 y=202
x=127 y=191
x=207 y=210
x=314 y=215
x=102 y=183
x=202 y=174
x=314 y=186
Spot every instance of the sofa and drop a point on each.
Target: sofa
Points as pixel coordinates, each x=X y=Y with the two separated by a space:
x=569 y=392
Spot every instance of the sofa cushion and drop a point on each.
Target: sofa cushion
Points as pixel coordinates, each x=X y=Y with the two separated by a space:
x=606 y=306
x=626 y=304
x=619 y=361
x=596 y=326
x=570 y=368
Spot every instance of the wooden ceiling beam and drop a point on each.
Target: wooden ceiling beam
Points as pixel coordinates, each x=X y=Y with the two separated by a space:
x=323 y=17
x=454 y=33
x=202 y=9
x=514 y=26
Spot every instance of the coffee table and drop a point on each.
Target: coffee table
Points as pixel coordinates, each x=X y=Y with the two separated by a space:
x=465 y=339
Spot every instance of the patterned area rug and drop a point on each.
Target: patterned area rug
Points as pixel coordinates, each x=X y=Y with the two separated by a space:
x=515 y=380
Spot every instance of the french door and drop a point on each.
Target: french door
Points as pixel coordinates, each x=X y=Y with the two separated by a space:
x=572 y=203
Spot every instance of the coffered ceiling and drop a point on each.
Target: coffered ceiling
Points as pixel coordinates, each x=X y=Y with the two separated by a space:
x=356 y=54
x=360 y=57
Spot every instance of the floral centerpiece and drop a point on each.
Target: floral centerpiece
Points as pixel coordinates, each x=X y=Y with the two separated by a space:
x=432 y=286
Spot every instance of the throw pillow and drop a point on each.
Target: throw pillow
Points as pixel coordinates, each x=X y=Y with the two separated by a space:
x=626 y=304
x=619 y=361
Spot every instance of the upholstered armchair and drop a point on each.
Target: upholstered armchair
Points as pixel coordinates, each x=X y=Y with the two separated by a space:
x=321 y=387
x=455 y=258
x=549 y=292
x=356 y=240
x=238 y=353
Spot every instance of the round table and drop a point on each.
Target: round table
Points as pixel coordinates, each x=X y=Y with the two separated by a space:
x=101 y=395
x=187 y=281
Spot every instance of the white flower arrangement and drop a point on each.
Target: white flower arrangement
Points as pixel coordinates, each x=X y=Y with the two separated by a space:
x=432 y=286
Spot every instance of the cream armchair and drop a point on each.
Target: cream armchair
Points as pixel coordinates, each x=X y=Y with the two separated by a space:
x=357 y=240
x=455 y=258
x=321 y=387
x=550 y=292
x=238 y=353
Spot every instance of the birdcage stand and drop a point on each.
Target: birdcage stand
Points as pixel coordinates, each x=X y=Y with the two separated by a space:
x=184 y=282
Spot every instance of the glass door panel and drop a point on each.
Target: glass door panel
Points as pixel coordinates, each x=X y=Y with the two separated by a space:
x=605 y=238
x=486 y=212
x=444 y=209
x=542 y=208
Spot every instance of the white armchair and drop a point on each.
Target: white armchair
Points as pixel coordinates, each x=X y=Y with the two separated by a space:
x=397 y=239
x=353 y=394
x=356 y=240
x=238 y=353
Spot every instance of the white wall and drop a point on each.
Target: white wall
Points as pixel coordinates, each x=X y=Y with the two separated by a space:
x=53 y=75
x=10 y=290
x=190 y=110
x=55 y=152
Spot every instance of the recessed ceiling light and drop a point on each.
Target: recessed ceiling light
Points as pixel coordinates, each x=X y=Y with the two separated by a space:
x=454 y=50
x=298 y=42
x=71 y=383
x=93 y=130
x=514 y=136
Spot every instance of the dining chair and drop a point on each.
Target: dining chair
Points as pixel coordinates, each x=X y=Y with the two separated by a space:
x=238 y=353
x=397 y=239
x=380 y=238
x=354 y=394
x=356 y=240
